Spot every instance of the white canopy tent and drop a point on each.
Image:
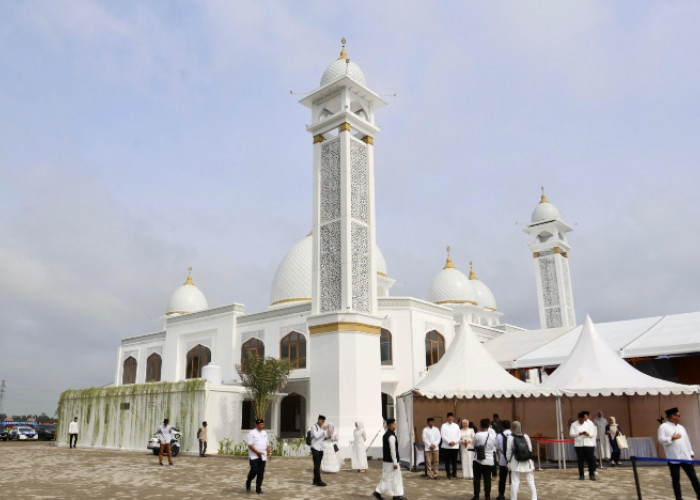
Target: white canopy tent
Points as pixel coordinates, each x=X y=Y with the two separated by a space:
x=593 y=369
x=469 y=382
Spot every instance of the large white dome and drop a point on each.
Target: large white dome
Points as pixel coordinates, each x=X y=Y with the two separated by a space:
x=292 y=281
x=451 y=286
x=187 y=299
x=544 y=210
x=484 y=296
x=343 y=67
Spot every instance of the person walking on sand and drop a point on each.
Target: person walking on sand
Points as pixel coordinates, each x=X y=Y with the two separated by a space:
x=202 y=438
x=450 y=445
x=359 y=454
x=674 y=438
x=73 y=433
x=165 y=437
x=391 y=481
x=518 y=453
x=431 y=442
x=259 y=454
x=584 y=434
x=318 y=435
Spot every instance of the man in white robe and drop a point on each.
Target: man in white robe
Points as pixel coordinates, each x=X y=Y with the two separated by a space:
x=391 y=482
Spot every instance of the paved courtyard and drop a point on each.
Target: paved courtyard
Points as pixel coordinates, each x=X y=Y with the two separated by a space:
x=40 y=470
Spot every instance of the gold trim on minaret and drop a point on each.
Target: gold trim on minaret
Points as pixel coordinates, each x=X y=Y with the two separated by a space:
x=368 y=139
x=472 y=274
x=556 y=250
x=343 y=53
x=535 y=255
x=189 y=277
x=345 y=326
x=319 y=138
x=448 y=262
x=565 y=255
x=344 y=127
x=543 y=198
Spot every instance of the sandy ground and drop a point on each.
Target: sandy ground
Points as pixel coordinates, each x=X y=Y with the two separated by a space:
x=41 y=470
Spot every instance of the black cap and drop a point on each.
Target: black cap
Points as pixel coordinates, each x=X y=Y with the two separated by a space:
x=671 y=411
x=259 y=421
x=390 y=421
x=322 y=417
x=431 y=419
x=582 y=414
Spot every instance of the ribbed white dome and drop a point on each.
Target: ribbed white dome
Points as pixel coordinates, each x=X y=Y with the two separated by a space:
x=292 y=282
x=187 y=299
x=340 y=68
x=451 y=286
x=544 y=210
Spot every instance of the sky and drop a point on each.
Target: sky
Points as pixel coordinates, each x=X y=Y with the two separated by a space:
x=140 y=138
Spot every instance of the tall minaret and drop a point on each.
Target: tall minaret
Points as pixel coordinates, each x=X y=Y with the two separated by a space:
x=344 y=361
x=551 y=253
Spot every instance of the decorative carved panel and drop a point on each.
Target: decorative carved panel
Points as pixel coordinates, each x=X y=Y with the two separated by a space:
x=331 y=270
x=330 y=180
x=360 y=267
x=359 y=181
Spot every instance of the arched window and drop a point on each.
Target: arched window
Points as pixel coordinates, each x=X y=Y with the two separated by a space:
x=293 y=347
x=197 y=357
x=129 y=373
x=434 y=347
x=153 y=364
x=253 y=347
x=387 y=406
x=385 y=347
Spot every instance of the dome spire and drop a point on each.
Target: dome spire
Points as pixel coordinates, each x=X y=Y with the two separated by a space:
x=472 y=274
x=189 y=277
x=343 y=53
x=543 y=198
x=448 y=262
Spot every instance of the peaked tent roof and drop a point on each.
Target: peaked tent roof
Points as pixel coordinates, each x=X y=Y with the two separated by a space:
x=594 y=369
x=467 y=370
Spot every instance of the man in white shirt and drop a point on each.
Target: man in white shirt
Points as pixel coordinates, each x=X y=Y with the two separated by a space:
x=431 y=441
x=674 y=438
x=258 y=455
x=584 y=433
x=318 y=434
x=165 y=437
x=450 y=445
x=486 y=438
x=501 y=444
x=73 y=433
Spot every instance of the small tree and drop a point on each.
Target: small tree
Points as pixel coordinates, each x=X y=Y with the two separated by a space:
x=264 y=377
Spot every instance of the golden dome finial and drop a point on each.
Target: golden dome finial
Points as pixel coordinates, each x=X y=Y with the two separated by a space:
x=343 y=53
x=189 y=276
x=448 y=262
x=472 y=274
x=543 y=199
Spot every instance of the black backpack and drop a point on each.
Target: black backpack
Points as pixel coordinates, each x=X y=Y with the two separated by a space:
x=308 y=437
x=520 y=450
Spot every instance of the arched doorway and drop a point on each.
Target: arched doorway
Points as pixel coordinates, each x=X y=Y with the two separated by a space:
x=292 y=416
x=387 y=406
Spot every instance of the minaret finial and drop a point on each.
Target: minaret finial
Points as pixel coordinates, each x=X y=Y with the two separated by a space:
x=343 y=53
x=448 y=262
x=472 y=274
x=543 y=199
x=189 y=276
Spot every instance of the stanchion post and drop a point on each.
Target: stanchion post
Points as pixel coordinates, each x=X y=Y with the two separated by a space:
x=600 y=453
x=636 y=477
x=539 y=466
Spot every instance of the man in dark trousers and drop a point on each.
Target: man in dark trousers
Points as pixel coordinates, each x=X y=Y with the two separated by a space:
x=674 y=438
x=584 y=433
x=318 y=434
x=258 y=455
x=502 y=465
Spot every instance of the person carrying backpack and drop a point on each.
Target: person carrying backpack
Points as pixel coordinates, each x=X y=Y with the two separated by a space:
x=518 y=454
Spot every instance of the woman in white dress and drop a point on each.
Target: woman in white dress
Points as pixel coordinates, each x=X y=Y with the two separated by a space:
x=359 y=454
x=601 y=422
x=330 y=462
x=520 y=469
x=466 y=449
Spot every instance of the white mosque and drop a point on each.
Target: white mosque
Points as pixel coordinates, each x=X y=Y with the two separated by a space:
x=331 y=308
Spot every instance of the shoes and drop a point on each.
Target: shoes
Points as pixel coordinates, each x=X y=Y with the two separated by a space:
x=171 y=463
x=259 y=492
x=593 y=478
x=376 y=495
x=247 y=488
x=581 y=478
x=320 y=484
x=500 y=497
x=161 y=463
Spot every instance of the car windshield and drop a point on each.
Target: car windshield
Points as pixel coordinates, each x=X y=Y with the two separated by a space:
x=26 y=430
x=49 y=428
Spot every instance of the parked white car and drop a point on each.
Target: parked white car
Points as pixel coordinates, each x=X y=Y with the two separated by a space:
x=23 y=432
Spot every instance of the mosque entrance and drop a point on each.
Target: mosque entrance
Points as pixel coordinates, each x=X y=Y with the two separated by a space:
x=292 y=413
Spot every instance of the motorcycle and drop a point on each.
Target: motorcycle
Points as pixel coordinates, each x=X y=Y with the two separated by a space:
x=154 y=443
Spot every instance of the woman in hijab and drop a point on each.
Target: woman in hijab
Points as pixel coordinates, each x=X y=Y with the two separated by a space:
x=359 y=454
x=519 y=468
x=612 y=430
x=601 y=422
x=330 y=462
x=466 y=449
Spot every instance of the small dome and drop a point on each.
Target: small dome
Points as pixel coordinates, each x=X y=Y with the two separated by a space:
x=544 y=210
x=484 y=296
x=451 y=286
x=187 y=299
x=292 y=281
x=341 y=67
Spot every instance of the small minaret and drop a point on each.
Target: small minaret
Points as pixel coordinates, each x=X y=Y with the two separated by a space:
x=550 y=250
x=344 y=329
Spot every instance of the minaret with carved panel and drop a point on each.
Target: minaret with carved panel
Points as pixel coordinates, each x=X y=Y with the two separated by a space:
x=550 y=251
x=344 y=328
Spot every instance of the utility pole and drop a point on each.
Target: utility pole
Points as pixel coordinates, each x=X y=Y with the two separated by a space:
x=2 y=395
